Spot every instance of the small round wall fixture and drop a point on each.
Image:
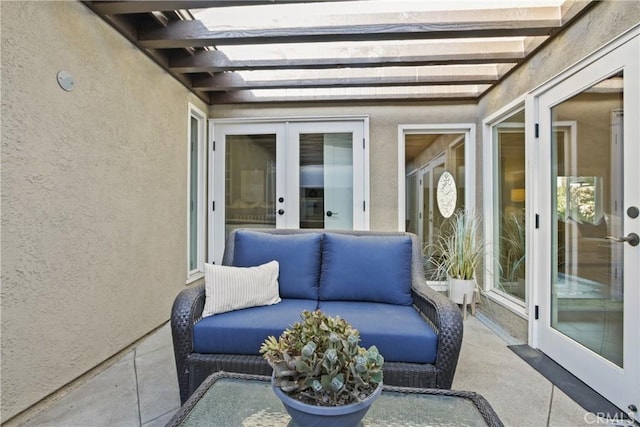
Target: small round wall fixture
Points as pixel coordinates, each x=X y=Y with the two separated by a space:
x=446 y=194
x=65 y=80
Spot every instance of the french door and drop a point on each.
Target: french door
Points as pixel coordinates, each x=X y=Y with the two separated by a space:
x=590 y=196
x=286 y=175
x=430 y=218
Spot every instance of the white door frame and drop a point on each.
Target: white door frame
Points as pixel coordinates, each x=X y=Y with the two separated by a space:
x=360 y=215
x=580 y=361
x=216 y=187
x=438 y=159
x=217 y=190
x=469 y=131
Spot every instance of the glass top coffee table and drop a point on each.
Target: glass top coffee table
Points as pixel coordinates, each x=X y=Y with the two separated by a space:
x=226 y=399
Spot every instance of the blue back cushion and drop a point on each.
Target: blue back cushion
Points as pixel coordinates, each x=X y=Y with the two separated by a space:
x=297 y=254
x=366 y=268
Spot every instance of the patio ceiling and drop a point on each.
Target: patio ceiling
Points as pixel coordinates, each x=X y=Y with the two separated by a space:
x=251 y=51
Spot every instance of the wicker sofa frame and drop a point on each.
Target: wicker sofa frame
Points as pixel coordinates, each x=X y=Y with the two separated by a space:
x=442 y=314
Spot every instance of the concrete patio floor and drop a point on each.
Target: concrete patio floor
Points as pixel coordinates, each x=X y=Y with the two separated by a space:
x=140 y=388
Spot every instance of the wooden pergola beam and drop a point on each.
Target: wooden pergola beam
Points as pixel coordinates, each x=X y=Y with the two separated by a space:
x=216 y=61
x=246 y=97
x=181 y=34
x=230 y=81
x=128 y=7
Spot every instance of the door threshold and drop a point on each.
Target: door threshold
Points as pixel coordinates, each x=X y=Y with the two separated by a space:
x=573 y=387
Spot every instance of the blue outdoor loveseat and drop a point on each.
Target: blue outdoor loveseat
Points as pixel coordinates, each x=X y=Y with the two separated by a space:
x=374 y=280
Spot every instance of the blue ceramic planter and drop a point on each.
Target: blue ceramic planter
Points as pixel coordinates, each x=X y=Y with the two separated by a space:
x=305 y=415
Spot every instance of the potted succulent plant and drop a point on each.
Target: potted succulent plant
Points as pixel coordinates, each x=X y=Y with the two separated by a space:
x=321 y=373
x=457 y=254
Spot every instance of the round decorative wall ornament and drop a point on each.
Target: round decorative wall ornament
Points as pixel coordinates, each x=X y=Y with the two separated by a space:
x=446 y=194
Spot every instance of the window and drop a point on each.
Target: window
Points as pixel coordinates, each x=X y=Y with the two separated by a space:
x=506 y=213
x=196 y=192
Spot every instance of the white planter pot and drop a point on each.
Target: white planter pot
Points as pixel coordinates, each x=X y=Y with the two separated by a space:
x=458 y=288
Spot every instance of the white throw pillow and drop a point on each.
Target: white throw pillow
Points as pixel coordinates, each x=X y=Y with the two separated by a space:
x=232 y=288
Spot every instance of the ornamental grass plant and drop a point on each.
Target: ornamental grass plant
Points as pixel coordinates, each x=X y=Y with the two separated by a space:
x=457 y=252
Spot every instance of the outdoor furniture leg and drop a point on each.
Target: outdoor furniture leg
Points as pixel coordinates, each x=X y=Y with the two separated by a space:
x=464 y=307
x=474 y=301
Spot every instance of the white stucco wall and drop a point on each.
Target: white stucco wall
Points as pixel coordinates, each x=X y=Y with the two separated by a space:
x=383 y=133
x=601 y=24
x=94 y=200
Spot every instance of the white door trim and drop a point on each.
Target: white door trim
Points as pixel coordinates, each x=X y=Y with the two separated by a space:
x=437 y=160
x=469 y=131
x=216 y=189
x=357 y=129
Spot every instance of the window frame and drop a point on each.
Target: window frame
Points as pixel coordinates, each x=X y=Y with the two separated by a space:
x=201 y=191
x=490 y=209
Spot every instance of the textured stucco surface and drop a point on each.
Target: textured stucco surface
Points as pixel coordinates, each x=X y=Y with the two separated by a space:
x=601 y=24
x=383 y=136
x=94 y=204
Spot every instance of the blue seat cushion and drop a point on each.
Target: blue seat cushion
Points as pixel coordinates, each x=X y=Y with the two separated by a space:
x=366 y=268
x=244 y=331
x=297 y=254
x=398 y=331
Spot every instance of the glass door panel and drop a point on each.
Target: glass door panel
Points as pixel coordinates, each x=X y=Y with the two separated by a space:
x=250 y=181
x=436 y=217
x=587 y=304
x=411 y=210
x=459 y=166
x=425 y=204
x=432 y=219
x=326 y=180
x=338 y=179
x=246 y=181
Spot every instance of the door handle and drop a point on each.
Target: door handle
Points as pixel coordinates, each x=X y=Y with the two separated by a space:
x=632 y=238
x=329 y=213
x=280 y=212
